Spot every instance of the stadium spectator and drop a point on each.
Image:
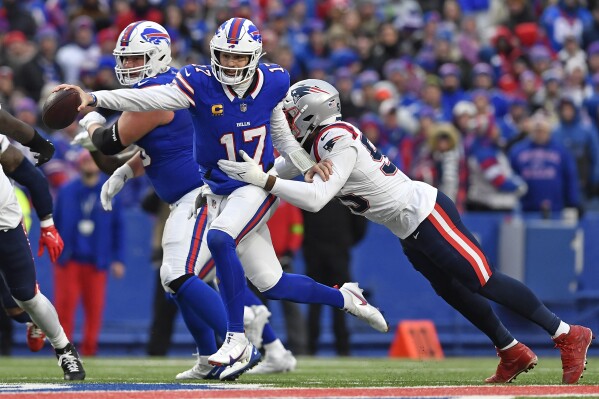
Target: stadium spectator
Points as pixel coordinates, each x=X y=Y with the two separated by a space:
x=31 y=77
x=580 y=138
x=81 y=49
x=548 y=169
x=565 y=18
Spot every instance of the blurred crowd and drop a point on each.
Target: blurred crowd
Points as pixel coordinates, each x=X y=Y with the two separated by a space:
x=496 y=102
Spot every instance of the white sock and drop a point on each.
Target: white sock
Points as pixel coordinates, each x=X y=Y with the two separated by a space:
x=44 y=315
x=563 y=328
x=510 y=345
x=274 y=347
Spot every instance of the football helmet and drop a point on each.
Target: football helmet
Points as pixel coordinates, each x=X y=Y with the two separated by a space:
x=142 y=38
x=237 y=36
x=310 y=103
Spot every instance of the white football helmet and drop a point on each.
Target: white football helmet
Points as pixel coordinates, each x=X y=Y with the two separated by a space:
x=142 y=38
x=237 y=36
x=311 y=103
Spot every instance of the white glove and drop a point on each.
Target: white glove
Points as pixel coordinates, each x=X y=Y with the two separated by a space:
x=91 y=119
x=82 y=139
x=114 y=184
x=248 y=171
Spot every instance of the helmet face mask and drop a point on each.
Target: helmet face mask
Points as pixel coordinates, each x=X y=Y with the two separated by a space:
x=238 y=37
x=142 y=39
x=309 y=104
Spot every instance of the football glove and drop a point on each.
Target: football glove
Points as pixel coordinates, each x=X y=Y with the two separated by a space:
x=82 y=139
x=51 y=240
x=114 y=184
x=91 y=119
x=248 y=171
x=43 y=148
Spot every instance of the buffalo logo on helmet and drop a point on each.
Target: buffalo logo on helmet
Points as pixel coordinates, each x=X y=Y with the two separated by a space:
x=301 y=91
x=255 y=33
x=155 y=36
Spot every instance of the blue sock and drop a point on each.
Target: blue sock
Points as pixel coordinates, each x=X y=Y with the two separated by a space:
x=201 y=332
x=196 y=297
x=268 y=334
x=231 y=276
x=302 y=289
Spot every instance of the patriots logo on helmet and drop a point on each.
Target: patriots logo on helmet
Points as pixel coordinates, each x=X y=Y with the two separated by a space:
x=301 y=91
x=155 y=36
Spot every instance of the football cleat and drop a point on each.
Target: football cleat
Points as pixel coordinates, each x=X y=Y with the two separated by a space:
x=254 y=322
x=35 y=337
x=356 y=304
x=69 y=360
x=573 y=348
x=232 y=372
x=513 y=361
x=234 y=349
x=281 y=362
x=201 y=371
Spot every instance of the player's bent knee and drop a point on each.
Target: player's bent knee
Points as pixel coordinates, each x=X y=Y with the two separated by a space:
x=217 y=239
x=279 y=291
x=22 y=294
x=18 y=315
x=176 y=284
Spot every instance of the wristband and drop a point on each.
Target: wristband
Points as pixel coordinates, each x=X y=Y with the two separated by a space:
x=47 y=222
x=95 y=102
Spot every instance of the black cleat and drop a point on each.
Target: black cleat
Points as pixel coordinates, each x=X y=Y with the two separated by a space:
x=69 y=360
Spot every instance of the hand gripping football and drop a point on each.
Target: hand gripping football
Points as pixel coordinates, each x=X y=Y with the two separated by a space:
x=60 y=108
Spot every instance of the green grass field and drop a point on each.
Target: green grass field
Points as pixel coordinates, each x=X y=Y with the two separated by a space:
x=311 y=372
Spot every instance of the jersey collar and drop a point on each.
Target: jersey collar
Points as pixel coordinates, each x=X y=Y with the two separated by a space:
x=252 y=91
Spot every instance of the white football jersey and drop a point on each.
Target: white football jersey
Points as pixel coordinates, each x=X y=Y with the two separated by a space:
x=10 y=211
x=369 y=184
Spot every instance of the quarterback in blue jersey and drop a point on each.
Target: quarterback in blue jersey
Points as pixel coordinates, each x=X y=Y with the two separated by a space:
x=236 y=104
x=165 y=155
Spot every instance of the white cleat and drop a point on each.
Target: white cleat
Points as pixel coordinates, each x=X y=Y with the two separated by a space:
x=280 y=362
x=232 y=372
x=201 y=371
x=356 y=304
x=254 y=320
x=236 y=348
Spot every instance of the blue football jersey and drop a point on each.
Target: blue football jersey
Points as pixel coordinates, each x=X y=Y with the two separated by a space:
x=225 y=123
x=167 y=151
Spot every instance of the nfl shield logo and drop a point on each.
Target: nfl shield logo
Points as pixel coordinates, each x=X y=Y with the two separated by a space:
x=243 y=107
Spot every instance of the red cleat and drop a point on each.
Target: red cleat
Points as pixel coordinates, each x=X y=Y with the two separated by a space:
x=515 y=360
x=35 y=337
x=573 y=347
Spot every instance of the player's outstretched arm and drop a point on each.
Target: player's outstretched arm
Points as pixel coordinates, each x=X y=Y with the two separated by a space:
x=28 y=136
x=19 y=168
x=164 y=97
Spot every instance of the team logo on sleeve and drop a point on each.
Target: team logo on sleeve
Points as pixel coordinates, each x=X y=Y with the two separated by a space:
x=331 y=143
x=217 y=110
x=155 y=36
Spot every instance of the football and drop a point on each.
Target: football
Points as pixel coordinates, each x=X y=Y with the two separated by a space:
x=60 y=108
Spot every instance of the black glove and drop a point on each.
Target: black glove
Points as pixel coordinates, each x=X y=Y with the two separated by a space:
x=44 y=149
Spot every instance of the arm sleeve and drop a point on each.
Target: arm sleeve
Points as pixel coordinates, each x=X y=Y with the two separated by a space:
x=314 y=196
x=33 y=179
x=165 y=97
x=285 y=143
